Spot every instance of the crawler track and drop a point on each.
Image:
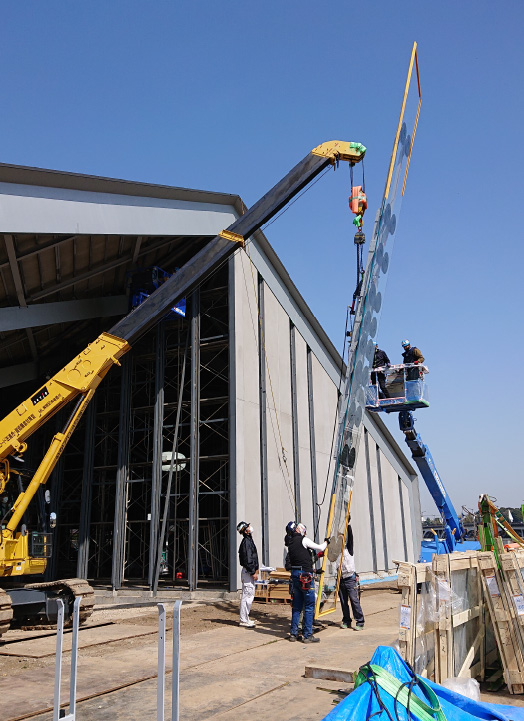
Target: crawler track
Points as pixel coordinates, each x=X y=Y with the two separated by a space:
x=69 y=588
x=6 y=612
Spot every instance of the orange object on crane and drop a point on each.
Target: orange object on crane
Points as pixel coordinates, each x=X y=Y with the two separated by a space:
x=358 y=203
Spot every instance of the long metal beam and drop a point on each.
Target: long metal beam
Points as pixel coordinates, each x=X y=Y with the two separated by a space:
x=97 y=270
x=40 y=248
x=217 y=250
x=20 y=373
x=33 y=316
x=194 y=453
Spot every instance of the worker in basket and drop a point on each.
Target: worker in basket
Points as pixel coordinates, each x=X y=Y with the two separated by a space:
x=303 y=580
x=412 y=354
x=380 y=360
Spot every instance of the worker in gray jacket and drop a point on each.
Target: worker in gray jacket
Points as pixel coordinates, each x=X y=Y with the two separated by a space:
x=348 y=588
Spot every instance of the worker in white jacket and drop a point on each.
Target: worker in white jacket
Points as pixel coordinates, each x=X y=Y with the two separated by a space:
x=348 y=589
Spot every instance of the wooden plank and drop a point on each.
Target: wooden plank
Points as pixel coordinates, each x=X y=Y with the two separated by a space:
x=330 y=674
x=407 y=583
x=459 y=619
x=444 y=647
x=494 y=596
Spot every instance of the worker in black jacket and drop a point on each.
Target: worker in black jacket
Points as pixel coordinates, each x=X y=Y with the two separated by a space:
x=412 y=354
x=380 y=360
x=303 y=579
x=248 y=556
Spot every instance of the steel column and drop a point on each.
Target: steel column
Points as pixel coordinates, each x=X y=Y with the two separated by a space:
x=403 y=519
x=312 y=442
x=86 y=493
x=233 y=581
x=194 y=442
x=382 y=509
x=119 y=527
x=294 y=418
x=370 y=502
x=156 y=483
x=263 y=424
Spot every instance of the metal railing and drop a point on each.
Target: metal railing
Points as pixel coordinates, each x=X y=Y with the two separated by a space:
x=62 y=715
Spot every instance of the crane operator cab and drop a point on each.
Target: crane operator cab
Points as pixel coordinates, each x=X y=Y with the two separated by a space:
x=397 y=388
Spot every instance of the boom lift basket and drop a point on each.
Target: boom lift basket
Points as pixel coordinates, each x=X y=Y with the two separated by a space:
x=405 y=386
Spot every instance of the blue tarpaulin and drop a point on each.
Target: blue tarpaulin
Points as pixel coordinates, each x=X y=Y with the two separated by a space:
x=362 y=703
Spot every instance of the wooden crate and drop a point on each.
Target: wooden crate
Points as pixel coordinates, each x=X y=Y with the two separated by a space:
x=497 y=593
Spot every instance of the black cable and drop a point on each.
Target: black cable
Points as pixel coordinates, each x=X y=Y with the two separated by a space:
x=319 y=505
x=372 y=680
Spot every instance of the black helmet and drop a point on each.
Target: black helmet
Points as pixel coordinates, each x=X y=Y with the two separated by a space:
x=291 y=528
x=242 y=527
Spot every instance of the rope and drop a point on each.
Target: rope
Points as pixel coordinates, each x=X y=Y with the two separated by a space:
x=292 y=202
x=281 y=457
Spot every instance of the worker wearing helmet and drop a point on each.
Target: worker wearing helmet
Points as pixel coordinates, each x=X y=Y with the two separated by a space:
x=412 y=354
x=380 y=360
x=349 y=585
x=302 y=577
x=248 y=556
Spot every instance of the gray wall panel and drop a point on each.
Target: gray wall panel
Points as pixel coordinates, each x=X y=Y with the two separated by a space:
x=35 y=209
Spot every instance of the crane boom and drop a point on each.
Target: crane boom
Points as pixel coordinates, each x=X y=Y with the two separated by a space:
x=80 y=378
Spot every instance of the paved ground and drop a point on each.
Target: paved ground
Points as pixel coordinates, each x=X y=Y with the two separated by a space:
x=227 y=671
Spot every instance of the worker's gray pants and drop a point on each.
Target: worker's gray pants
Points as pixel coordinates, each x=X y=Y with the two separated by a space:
x=248 y=594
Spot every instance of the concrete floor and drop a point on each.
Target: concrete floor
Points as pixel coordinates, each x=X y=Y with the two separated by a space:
x=226 y=671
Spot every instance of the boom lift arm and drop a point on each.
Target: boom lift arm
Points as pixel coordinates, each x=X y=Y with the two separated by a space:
x=453 y=528
x=80 y=378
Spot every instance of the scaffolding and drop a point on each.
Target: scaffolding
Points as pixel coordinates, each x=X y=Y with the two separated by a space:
x=110 y=486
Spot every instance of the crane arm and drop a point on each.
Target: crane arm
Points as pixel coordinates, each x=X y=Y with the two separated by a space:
x=85 y=372
x=453 y=528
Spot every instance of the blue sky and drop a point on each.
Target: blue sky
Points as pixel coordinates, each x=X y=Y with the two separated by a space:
x=229 y=96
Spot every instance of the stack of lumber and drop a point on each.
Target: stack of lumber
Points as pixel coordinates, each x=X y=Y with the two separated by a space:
x=273 y=586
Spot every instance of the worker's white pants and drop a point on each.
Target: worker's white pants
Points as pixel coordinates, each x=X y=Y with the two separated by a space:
x=248 y=594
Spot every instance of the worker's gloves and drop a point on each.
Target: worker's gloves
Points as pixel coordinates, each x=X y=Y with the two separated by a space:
x=327 y=540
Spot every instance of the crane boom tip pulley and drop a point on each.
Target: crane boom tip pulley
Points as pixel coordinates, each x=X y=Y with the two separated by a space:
x=340 y=150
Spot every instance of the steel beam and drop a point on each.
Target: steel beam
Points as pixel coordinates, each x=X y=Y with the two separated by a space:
x=15 y=270
x=201 y=265
x=233 y=580
x=312 y=442
x=370 y=502
x=102 y=268
x=194 y=453
x=156 y=482
x=403 y=519
x=294 y=418
x=263 y=423
x=33 y=316
x=86 y=493
x=119 y=526
x=382 y=509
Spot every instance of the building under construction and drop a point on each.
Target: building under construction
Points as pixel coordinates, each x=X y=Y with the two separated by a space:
x=222 y=412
